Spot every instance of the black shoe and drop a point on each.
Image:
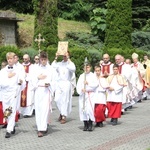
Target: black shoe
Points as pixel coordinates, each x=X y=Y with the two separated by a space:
x=111 y=120
x=122 y=113
x=145 y=98
x=7 y=135
x=97 y=124
x=85 y=126
x=4 y=126
x=130 y=107
x=26 y=116
x=14 y=131
x=101 y=124
x=125 y=109
x=33 y=112
x=90 y=125
x=115 y=122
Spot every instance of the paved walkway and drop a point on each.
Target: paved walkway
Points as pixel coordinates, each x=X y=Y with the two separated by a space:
x=132 y=133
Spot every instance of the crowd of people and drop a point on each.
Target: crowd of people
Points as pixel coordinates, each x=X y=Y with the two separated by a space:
x=29 y=88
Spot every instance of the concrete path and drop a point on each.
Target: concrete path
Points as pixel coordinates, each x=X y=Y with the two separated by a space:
x=131 y=133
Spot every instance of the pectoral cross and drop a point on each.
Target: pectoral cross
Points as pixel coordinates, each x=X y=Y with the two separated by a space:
x=39 y=40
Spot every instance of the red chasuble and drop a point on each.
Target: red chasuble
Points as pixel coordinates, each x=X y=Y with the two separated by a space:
x=24 y=92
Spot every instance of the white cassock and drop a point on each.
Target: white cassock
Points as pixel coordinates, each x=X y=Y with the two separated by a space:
x=117 y=82
x=87 y=112
x=10 y=90
x=32 y=73
x=28 y=109
x=20 y=68
x=100 y=94
x=65 y=82
x=43 y=96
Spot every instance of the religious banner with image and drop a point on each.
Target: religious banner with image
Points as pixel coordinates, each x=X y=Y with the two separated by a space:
x=62 y=47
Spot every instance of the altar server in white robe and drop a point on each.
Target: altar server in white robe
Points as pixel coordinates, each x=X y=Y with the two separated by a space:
x=65 y=83
x=11 y=82
x=100 y=99
x=86 y=86
x=43 y=83
x=22 y=71
x=115 y=94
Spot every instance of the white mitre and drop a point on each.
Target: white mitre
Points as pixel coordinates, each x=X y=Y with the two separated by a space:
x=135 y=55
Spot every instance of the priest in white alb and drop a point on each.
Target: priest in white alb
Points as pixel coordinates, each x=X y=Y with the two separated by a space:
x=137 y=80
x=65 y=83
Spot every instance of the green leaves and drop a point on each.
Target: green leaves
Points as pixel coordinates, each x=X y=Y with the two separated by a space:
x=98 y=22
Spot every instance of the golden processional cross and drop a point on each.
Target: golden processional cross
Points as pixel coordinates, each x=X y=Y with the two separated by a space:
x=39 y=40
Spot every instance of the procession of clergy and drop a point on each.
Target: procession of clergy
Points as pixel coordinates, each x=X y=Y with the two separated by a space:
x=104 y=93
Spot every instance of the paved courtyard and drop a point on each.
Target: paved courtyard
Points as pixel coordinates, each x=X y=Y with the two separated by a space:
x=131 y=133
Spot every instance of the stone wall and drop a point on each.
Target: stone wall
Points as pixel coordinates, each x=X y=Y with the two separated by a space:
x=7 y=32
x=8 y=28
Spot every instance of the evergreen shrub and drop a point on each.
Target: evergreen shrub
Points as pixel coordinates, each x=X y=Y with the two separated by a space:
x=127 y=53
x=46 y=21
x=5 y=49
x=140 y=39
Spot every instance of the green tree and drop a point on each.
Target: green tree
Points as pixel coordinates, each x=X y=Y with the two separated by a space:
x=21 y=6
x=118 y=24
x=75 y=9
x=46 y=21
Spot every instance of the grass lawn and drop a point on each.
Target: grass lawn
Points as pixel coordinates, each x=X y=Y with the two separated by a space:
x=26 y=28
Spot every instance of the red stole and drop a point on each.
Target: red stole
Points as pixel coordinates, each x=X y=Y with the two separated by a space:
x=105 y=68
x=24 y=92
x=120 y=68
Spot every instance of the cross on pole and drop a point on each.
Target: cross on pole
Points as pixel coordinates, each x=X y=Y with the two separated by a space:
x=39 y=40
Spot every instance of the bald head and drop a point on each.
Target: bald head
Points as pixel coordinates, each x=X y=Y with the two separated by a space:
x=128 y=61
x=106 y=58
x=26 y=58
x=118 y=59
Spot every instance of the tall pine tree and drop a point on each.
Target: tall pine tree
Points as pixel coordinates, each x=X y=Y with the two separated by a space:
x=119 y=24
x=46 y=21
